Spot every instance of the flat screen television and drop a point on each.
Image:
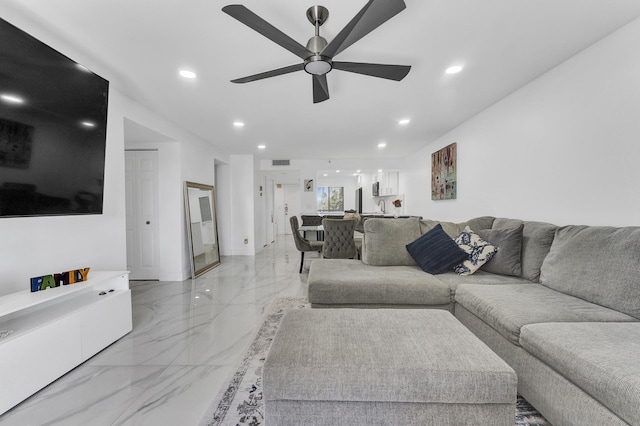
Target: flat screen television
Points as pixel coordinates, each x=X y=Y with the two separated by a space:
x=53 y=118
x=359 y=200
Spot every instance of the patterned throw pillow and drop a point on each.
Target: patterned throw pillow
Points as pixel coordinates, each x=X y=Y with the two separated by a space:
x=479 y=250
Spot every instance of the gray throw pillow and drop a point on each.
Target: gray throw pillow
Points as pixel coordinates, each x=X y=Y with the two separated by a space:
x=507 y=261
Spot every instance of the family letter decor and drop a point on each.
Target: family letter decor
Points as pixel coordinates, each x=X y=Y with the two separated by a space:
x=56 y=280
x=443 y=173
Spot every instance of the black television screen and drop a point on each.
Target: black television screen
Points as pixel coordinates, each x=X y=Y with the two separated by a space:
x=53 y=117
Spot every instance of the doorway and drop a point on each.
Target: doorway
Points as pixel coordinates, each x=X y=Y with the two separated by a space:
x=141 y=188
x=270 y=225
x=290 y=207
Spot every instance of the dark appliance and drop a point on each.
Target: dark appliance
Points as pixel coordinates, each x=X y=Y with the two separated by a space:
x=359 y=200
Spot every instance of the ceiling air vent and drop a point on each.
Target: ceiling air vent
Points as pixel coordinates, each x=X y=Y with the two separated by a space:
x=280 y=162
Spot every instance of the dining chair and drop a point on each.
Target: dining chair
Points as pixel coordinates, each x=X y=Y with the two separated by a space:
x=312 y=220
x=338 y=239
x=302 y=244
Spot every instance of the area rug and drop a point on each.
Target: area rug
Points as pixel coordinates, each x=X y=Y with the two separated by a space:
x=240 y=402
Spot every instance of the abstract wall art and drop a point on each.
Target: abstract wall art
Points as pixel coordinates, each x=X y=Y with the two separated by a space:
x=443 y=173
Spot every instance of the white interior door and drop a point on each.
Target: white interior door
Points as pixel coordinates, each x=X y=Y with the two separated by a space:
x=141 y=181
x=270 y=226
x=291 y=205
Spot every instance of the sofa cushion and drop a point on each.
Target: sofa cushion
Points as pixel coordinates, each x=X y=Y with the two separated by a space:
x=507 y=308
x=479 y=251
x=385 y=241
x=536 y=242
x=482 y=222
x=351 y=282
x=453 y=229
x=435 y=252
x=603 y=359
x=596 y=263
x=507 y=260
x=453 y=280
x=450 y=228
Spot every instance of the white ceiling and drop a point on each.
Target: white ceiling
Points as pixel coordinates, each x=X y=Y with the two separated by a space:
x=503 y=44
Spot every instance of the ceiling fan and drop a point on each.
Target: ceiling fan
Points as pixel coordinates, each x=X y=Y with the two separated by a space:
x=318 y=55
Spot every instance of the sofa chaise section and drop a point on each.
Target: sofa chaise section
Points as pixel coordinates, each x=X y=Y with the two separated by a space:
x=352 y=284
x=573 y=338
x=508 y=308
x=603 y=359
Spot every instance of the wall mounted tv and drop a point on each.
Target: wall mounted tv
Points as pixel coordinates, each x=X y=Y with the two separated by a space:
x=53 y=118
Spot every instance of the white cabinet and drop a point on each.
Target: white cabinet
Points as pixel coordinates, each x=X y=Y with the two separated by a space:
x=48 y=333
x=388 y=183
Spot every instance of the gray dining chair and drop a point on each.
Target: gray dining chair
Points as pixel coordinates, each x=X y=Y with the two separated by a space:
x=302 y=244
x=312 y=220
x=338 y=239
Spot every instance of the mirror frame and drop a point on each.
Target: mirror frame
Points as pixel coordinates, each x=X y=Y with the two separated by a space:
x=197 y=271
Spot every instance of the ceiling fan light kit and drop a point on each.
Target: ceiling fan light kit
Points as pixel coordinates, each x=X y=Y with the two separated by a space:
x=318 y=55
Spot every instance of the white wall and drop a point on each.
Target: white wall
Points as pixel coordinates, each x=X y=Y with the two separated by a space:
x=223 y=208
x=242 y=205
x=563 y=149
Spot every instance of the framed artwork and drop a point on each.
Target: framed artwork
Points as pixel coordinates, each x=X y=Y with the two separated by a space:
x=15 y=144
x=308 y=185
x=443 y=173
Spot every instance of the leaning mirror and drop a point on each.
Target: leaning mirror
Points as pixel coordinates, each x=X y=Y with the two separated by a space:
x=202 y=227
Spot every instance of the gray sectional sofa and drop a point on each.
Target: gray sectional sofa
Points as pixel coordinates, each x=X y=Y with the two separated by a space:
x=561 y=307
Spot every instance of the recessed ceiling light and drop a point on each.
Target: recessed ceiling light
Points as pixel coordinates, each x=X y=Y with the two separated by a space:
x=12 y=99
x=325 y=174
x=337 y=171
x=404 y=121
x=455 y=69
x=382 y=145
x=355 y=174
x=262 y=146
x=358 y=171
x=379 y=170
x=88 y=123
x=187 y=74
x=238 y=123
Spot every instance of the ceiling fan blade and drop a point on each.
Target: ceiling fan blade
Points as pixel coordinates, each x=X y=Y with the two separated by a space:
x=320 y=88
x=272 y=73
x=250 y=19
x=390 y=72
x=370 y=17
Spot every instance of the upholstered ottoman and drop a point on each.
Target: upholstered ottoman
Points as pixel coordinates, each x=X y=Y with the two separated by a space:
x=383 y=367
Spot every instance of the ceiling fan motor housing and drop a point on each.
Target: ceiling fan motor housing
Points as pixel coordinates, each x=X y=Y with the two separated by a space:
x=317 y=64
x=316 y=44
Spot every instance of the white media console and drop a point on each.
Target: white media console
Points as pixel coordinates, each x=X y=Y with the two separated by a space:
x=45 y=334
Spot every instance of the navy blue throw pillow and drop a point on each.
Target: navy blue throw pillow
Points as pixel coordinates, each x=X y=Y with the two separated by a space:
x=436 y=252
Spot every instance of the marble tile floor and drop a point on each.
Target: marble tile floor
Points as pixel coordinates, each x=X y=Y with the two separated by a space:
x=186 y=338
